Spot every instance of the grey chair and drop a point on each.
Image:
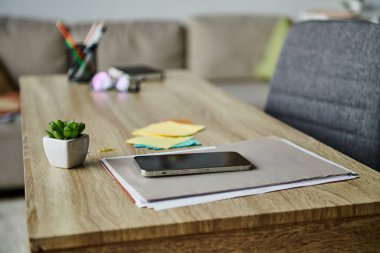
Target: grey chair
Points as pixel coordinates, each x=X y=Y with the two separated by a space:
x=327 y=84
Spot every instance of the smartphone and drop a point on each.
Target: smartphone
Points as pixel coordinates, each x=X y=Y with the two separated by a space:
x=191 y=163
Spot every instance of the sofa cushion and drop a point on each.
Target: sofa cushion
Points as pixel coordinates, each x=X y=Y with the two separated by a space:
x=264 y=70
x=227 y=46
x=31 y=47
x=156 y=43
x=11 y=162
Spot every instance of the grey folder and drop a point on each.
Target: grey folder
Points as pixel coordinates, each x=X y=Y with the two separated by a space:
x=277 y=161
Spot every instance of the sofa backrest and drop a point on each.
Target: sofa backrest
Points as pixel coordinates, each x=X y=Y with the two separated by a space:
x=227 y=46
x=30 y=47
x=36 y=47
x=219 y=47
x=157 y=43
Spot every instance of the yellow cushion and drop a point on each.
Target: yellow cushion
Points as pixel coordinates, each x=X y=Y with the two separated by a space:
x=264 y=70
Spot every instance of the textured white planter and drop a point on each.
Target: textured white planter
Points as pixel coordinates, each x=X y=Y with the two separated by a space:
x=66 y=153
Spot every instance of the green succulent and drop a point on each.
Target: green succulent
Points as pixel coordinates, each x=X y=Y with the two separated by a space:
x=65 y=130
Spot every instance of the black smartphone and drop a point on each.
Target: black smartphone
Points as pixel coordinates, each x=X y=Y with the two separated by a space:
x=191 y=163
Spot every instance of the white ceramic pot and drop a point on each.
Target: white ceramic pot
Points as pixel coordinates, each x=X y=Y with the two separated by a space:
x=66 y=153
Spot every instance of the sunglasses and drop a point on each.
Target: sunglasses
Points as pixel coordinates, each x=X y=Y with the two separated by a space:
x=103 y=81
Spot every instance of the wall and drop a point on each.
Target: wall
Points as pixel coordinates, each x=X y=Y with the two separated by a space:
x=82 y=10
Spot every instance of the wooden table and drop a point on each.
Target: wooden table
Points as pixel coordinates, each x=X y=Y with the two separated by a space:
x=84 y=210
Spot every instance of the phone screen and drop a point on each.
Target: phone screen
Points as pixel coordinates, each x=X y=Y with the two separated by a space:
x=191 y=161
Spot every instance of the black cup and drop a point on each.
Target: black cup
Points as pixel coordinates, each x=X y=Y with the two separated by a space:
x=81 y=70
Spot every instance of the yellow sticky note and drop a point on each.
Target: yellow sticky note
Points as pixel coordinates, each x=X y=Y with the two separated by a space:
x=168 y=128
x=157 y=141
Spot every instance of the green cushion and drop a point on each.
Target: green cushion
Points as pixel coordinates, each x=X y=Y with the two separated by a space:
x=264 y=70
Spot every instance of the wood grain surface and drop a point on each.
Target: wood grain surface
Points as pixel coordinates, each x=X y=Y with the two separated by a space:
x=69 y=210
x=342 y=235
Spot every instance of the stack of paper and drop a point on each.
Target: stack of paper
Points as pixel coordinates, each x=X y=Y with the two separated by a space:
x=280 y=165
x=165 y=135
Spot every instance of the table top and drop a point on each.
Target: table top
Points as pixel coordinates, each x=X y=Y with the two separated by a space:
x=81 y=207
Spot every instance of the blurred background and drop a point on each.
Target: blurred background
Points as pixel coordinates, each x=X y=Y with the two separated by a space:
x=87 y=10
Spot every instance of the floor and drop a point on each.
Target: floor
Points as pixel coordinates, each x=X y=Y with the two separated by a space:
x=13 y=235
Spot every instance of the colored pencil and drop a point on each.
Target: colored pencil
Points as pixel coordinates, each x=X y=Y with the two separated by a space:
x=70 y=43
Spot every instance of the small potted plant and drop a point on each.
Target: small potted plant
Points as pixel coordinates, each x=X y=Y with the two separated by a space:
x=65 y=146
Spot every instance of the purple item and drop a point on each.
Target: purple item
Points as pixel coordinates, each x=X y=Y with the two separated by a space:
x=122 y=83
x=101 y=82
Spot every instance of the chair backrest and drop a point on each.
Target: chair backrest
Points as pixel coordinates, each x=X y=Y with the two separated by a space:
x=327 y=84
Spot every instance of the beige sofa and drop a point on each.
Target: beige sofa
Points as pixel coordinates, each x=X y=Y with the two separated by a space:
x=223 y=49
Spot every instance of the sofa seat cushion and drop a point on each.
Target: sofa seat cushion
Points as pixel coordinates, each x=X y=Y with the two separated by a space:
x=31 y=47
x=227 y=46
x=157 y=43
x=11 y=162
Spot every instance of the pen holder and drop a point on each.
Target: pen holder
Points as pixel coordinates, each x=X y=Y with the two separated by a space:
x=81 y=63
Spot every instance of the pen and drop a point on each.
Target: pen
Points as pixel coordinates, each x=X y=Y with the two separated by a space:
x=92 y=39
x=90 y=33
x=96 y=36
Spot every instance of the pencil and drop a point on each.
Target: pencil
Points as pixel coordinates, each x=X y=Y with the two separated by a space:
x=70 y=43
